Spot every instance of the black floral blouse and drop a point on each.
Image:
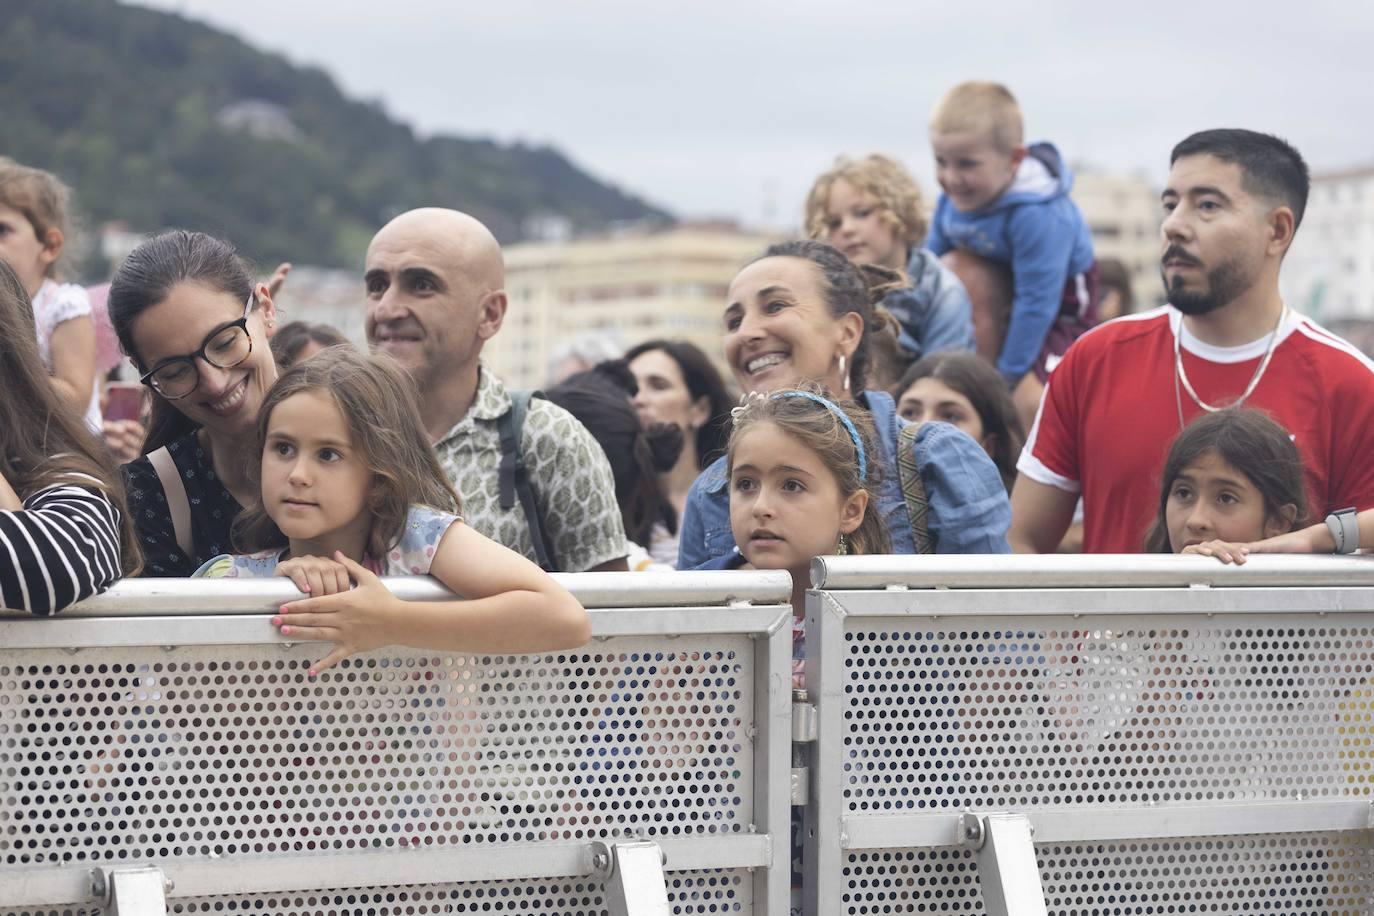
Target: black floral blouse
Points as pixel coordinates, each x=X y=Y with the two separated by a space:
x=212 y=510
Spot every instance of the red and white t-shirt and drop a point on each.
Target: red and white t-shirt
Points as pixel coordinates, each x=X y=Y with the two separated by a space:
x=1110 y=415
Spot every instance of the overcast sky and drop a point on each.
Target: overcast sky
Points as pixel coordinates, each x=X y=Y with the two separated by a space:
x=731 y=107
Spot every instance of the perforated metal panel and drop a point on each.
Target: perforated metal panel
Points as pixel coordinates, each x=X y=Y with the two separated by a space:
x=194 y=757
x=979 y=715
x=716 y=892
x=158 y=756
x=1210 y=762
x=1292 y=874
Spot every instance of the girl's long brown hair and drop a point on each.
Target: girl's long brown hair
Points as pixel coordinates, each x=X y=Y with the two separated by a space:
x=819 y=429
x=43 y=442
x=379 y=405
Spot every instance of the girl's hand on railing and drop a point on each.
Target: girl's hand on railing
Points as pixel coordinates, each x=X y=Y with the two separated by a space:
x=316 y=576
x=355 y=620
x=1224 y=551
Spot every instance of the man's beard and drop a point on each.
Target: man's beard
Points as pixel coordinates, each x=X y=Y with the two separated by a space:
x=1225 y=283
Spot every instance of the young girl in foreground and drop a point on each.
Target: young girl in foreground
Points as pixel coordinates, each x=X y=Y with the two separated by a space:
x=351 y=490
x=801 y=485
x=1231 y=476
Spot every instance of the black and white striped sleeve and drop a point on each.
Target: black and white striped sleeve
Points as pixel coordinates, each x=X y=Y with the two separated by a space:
x=63 y=546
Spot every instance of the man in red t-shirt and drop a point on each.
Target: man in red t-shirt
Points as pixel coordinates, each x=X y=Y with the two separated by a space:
x=1123 y=391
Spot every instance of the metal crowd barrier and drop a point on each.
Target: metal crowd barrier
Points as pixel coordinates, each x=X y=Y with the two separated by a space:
x=162 y=750
x=1075 y=735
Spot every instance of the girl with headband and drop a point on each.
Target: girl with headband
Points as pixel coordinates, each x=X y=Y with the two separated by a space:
x=801 y=485
x=803 y=314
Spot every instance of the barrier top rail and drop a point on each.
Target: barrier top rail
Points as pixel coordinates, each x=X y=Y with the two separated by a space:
x=1088 y=571
x=161 y=597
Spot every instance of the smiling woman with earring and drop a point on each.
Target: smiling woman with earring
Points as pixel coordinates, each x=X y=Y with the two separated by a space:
x=802 y=313
x=190 y=316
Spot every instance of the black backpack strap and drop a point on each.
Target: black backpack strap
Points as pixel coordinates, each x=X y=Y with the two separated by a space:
x=514 y=476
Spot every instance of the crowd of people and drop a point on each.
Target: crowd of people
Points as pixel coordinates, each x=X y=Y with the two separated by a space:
x=903 y=384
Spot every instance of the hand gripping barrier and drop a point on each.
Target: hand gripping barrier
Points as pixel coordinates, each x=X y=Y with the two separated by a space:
x=1090 y=735
x=163 y=751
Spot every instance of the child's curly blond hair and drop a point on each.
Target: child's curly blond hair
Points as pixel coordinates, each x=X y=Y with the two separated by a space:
x=880 y=177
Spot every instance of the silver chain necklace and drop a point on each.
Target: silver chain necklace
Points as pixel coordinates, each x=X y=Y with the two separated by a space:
x=1181 y=375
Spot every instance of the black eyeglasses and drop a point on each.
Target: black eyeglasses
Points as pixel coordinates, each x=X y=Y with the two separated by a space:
x=225 y=348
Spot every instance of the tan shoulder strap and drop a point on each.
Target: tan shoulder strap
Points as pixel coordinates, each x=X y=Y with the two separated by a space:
x=913 y=490
x=177 y=504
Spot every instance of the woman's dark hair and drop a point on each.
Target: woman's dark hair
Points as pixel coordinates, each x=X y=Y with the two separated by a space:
x=43 y=441
x=978 y=381
x=1249 y=441
x=600 y=399
x=145 y=279
x=849 y=288
x=702 y=380
x=379 y=405
x=292 y=338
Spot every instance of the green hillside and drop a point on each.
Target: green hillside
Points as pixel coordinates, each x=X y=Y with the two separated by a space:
x=159 y=121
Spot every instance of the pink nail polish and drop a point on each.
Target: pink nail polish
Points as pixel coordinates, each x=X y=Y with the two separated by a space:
x=312 y=672
x=285 y=631
x=276 y=621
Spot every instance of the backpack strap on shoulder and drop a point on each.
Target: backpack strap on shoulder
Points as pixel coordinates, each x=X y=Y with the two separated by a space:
x=514 y=478
x=913 y=489
x=174 y=488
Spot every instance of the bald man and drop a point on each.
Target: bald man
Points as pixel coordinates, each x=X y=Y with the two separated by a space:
x=435 y=294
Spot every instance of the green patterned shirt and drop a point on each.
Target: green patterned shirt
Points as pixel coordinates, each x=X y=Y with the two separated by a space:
x=569 y=474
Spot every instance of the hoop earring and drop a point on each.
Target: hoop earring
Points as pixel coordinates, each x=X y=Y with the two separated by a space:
x=844 y=374
x=842 y=548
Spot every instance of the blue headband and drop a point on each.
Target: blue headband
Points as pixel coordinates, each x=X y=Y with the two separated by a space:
x=843 y=418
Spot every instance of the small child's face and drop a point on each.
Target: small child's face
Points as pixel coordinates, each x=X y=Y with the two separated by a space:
x=23 y=250
x=855 y=225
x=1211 y=500
x=314 y=482
x=785 y=506
x=972 y=170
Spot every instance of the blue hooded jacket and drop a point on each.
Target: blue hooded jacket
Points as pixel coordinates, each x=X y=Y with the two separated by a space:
x=1037 y=230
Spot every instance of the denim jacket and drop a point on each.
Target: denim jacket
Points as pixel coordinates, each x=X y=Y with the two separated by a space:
x=969 y=511
x=934 y=311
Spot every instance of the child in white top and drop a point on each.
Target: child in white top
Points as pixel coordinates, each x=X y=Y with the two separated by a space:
x=34 y=219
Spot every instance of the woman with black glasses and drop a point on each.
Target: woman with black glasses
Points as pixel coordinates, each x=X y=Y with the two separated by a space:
x=190 y=316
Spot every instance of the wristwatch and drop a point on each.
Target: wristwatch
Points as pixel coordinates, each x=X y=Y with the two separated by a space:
x=1345 y=530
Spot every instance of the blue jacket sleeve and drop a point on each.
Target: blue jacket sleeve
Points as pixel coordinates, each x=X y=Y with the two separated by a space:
x=691 y=532
x=949 y=320
x=1042 y=243
x=969 y=509
x=936 y=241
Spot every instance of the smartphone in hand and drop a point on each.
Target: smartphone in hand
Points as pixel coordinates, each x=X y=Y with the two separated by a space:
x=124 y=401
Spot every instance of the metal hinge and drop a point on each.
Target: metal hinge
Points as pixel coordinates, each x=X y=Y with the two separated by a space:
x=136 y=891
x=804 y=723
x=801 y=778
x=633 y=876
